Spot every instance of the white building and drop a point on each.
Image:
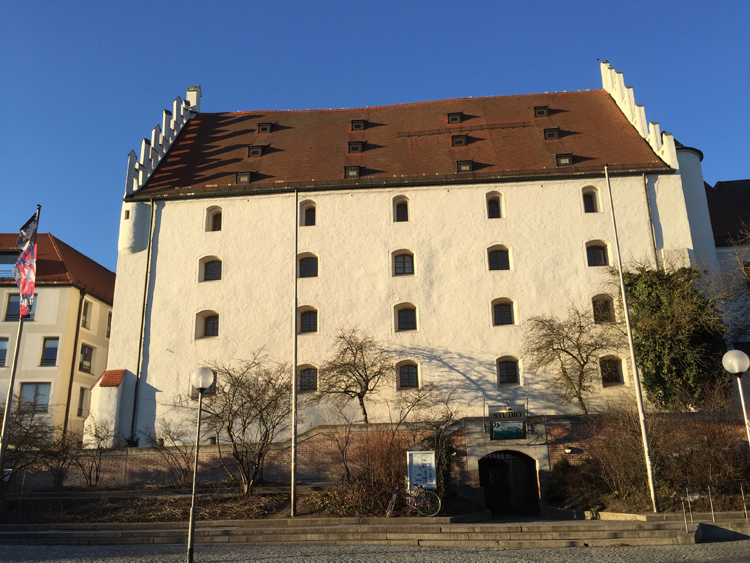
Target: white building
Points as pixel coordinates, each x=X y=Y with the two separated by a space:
x=435 y=227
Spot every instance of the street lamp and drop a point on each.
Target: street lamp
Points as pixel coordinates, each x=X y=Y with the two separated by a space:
x=736 y=362
x=201 y=378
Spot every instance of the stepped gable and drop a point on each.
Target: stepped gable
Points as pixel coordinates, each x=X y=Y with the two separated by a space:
x=403 y=145
x=59 y=264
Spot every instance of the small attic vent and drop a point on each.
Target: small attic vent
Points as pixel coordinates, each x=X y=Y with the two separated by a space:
x=358 y=124
x=255 y=151
x=351 y=172
x=264 y=128
x=356 y=146
x=458 y=140
x=564 y=159
x=464 y=166
x=244 y=177
x=551 y=134
x=456 y=117
x=541 y=111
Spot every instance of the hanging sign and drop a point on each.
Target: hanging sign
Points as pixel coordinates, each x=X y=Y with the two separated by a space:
x=507 y=423
x=421 y=466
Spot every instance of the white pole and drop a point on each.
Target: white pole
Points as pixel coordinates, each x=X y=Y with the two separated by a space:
x=293 y=478
x=636 y=375
x=191 y=525
x=744 y=410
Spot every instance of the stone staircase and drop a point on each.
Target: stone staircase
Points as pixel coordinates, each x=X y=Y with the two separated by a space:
x=364 y=531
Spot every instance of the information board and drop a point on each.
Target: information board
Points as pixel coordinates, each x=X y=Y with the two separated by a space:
x=507 y=423
x=421 y=466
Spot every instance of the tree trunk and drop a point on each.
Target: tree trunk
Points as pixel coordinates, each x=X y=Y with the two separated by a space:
x=362 y=406
x=582 y=404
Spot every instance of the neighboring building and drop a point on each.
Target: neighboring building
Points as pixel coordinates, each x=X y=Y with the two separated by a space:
x=435 y=227
x=65 y=341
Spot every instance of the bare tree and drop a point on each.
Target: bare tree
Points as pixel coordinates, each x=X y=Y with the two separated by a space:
x=250 y=407
x=174 y=442
x=573 y=346
x=359 y=367
x=99 y=435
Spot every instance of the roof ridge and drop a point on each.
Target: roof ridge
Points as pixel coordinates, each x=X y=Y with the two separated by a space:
x=54 y=240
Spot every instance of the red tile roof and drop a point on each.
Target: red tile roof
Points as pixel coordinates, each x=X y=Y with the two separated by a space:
x=404 y=144
x=111 y=378
x=729 y=208
x=59 y=264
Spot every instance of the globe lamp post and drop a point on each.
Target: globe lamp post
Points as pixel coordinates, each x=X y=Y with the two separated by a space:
x=736 y=362
x=201 y=378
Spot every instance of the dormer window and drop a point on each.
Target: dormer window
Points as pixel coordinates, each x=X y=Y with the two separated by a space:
x=264 y=128
x=551 y=134
x=255 y=152
x=244 y=177
x=454 y=118
x=541 y=111
x=351 y=172
x=358 y=124
x=356 y=146
x=564 y=159
x=464 y=166
x=458 y=140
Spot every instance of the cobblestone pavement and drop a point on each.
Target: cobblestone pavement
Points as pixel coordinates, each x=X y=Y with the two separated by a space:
x=727 y=552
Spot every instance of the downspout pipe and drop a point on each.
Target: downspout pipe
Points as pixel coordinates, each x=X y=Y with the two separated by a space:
x=73 y=362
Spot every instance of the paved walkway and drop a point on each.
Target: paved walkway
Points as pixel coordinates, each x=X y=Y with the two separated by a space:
x=728 y=552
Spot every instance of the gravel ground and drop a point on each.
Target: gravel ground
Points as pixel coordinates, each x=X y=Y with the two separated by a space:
x=726 y=552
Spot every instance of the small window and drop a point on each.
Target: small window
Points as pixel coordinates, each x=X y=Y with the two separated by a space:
x=13 y=309
x=351 y=172
x=502 y=313
x=507 y=371
x=407 y=319
x=212 y=270
x=264 y=128
x=308 y=379
x=211 y=325
x=49 y=352
x=408 y=376
x=3 y=351
x=211 y=390
x=493 y=207
x=541 y=111
x=551 y=134
x=81 y=402
x=358 y=125
x=499 y=259
x=604 y=309
x=309 y=321
x=356 y=146
x=309 y=216
x=35 y=397
x=213 y=219
x=308 y=267
x=87 y=355
x=127 y=214
x=8 y=259
x=564 y=159
x=243 y=178
x=109 y=323
x=464 y=166
x=611 y=369
x=85 y=315
x=596 y=255
x=589 y=202
x=458 y=140
x=402 y=211
x=455 y=117
x=256 y=151
x=403 y=265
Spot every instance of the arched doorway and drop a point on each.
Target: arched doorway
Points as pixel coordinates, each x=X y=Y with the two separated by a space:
x=510 y=484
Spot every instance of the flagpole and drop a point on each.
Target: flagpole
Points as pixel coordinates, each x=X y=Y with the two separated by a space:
x=4 y=433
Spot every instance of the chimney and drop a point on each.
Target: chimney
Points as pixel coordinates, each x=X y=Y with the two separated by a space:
x=194 y=97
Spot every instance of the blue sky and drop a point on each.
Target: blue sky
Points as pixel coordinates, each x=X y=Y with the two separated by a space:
x=81 y=82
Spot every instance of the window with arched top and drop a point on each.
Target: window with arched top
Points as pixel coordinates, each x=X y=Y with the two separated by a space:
x=308 y=266
x=308 y=320
x=590 y=200
x=403 y=263
x=502 y=312
x=308 y=214
x=213 y=218
x=400 y=209
x=308 y=378
x=207 y=324
x=596 y=253
x=507 y=371
x=604 y=309
x=408 y=375
x=494 y=206
x=611 y=370
x=498 y=258
x=406 y=317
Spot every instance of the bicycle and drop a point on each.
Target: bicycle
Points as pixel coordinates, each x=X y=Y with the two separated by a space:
x=427 y=503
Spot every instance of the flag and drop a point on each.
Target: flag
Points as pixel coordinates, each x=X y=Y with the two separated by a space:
x=25 y=269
